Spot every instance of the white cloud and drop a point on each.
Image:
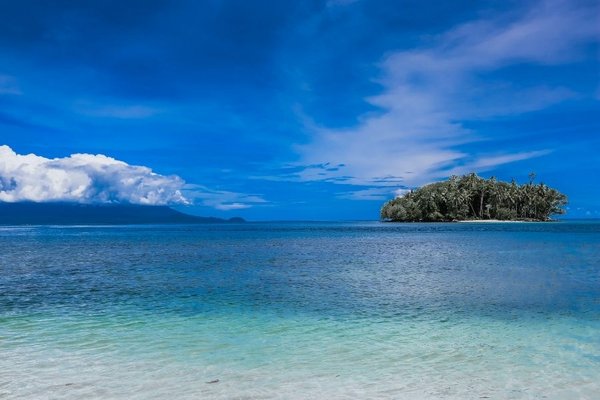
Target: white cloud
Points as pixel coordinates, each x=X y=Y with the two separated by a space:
x=89 y=178
x=429 y=92
x=400 y=192
x=221 y=199
x=117 y=111
x=84 y=178
x=375 y=193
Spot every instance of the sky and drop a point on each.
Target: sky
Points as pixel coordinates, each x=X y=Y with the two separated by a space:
x=311 y=110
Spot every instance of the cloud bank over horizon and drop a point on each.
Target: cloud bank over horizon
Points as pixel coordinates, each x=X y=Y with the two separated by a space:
x=84 y=178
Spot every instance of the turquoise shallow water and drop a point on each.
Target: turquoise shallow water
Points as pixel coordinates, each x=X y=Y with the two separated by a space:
x=301 y=311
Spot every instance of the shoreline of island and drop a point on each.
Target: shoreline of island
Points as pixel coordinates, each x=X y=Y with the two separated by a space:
x=494 y=221
x=475 y=221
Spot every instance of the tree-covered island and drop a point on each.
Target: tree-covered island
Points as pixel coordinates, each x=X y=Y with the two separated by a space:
x=471 y=197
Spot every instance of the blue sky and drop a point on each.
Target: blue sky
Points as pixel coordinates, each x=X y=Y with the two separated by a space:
x=300 y=110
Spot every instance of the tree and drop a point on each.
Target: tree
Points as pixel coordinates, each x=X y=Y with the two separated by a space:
x=472 y=197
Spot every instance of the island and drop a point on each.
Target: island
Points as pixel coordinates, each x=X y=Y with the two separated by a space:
x=472 y=198
x=60 y=213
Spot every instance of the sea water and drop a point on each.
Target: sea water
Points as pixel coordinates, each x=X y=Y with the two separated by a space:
x=301 y=311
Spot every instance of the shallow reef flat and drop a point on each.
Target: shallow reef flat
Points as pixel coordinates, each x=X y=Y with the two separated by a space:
x=301 y=311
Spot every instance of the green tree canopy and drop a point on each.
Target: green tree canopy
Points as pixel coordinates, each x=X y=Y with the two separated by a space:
x=472 y=197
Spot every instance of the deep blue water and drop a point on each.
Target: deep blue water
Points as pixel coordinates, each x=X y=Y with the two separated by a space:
x=301 y=310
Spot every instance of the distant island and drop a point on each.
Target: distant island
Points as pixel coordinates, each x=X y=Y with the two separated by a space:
x=470 y=197
x=30 y=213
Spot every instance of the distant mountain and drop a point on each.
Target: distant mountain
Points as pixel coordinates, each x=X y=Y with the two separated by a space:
x=28 y=213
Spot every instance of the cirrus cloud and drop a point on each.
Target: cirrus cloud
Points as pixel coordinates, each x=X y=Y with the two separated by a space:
x=430 y=93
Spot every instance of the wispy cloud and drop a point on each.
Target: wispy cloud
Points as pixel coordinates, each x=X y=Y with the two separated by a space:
x=116 y=111
x=8 y=85
x=374 y=193
x=221 y=199
x=429 y=92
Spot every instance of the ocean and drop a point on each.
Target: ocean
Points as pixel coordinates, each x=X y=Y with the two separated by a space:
x=348 y=310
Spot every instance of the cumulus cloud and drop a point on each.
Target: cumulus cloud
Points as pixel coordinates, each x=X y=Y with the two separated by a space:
x=84 y=178
x=430 y=92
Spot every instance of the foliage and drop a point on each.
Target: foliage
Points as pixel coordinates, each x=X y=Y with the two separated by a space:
x=472 y=197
